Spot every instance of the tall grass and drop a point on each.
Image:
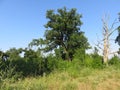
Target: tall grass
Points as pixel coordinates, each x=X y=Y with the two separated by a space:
x=83 y=79
x=75 y=75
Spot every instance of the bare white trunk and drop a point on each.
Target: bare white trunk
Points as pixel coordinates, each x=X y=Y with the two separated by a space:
x=106 y=32
x=106 y=47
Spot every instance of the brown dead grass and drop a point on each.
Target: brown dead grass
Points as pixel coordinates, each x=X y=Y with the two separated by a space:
x=110 y=84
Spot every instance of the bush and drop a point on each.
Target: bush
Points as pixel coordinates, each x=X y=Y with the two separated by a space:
x=93 y=61
x=51 y=63
x=114 y=61
x=97 y=61
x=80 y=55
x=29 y=67
x=9 y=72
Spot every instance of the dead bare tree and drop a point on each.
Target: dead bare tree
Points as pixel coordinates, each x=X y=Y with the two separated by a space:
x=104 y=44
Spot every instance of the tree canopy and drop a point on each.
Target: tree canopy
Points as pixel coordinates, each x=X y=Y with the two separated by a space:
x=63 y=32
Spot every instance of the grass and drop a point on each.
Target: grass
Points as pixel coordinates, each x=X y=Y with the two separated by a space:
x=83 y=79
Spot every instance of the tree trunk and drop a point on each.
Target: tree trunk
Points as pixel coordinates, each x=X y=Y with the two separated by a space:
x=106 y=33
x=106 y=50
x=67 y=56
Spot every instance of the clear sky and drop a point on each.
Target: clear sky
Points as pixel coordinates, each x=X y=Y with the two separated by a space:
x=23 y=20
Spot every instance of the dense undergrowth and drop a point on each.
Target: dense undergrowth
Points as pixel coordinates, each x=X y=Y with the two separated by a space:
x=52 y=73
x=72 y=78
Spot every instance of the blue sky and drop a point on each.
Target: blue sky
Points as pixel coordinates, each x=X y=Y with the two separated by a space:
x=23 y=20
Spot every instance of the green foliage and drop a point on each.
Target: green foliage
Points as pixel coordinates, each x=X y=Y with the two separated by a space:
x=87 y=79
x=117 y=40
x=51 y=63
x=97 y=61
x=30 y=64
x=114 y=61
x=63 y=33
x=80 y=55
x=88 y=60
x=13 y=53
x=8 y=71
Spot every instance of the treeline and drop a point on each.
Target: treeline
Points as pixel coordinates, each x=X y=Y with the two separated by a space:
x=64 y=46
x=34 y=64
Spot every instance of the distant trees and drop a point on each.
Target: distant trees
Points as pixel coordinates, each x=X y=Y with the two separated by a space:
x=63 y=33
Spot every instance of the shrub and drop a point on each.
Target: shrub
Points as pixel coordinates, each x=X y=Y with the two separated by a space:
x=93 y=61
x=51 y=63
x=9 y=72
x=97 y=61
x=114 y=61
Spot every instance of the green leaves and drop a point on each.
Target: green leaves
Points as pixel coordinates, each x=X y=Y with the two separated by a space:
x=63 y=31
x=118 y=37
